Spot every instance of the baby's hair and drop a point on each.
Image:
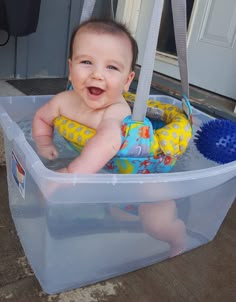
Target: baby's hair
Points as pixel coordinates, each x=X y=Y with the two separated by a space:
x=107 y=26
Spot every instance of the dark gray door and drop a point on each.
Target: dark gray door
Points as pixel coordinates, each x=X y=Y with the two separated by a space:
x=44 y=53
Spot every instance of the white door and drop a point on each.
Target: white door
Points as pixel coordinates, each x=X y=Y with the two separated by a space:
x=211 y=45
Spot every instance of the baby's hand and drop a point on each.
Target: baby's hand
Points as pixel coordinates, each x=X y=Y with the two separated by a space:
x=48 y=151
x=52 y=187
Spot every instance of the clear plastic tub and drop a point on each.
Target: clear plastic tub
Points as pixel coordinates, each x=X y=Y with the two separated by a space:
x=70 y=237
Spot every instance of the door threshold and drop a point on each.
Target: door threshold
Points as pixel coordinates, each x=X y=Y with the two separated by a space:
x=209 y=102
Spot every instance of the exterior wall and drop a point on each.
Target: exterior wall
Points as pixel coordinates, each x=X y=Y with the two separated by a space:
x=44 y=53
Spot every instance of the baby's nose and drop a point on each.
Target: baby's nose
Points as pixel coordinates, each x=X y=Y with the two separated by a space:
x=97 y=74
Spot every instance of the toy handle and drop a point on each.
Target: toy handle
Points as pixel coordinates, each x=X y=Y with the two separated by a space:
x=145 y=77
x=87 y=10
x=180 y=30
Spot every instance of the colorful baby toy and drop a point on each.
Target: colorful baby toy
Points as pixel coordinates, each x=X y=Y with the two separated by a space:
x=144 y=149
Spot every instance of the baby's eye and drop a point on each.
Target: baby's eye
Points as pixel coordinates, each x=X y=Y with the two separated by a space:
x=112 y=67
x=86 y=62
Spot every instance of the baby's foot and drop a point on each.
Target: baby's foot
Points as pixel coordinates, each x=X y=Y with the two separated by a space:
x=176 y=250
x=179 y=239
x=178 y=246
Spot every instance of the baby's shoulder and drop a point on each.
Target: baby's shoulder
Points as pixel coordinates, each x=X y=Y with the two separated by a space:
x=121 y=105
x=64 y=95
x=63 y=98
x=118 y=110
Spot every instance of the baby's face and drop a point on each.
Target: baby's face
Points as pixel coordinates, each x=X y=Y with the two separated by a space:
x=100 y=67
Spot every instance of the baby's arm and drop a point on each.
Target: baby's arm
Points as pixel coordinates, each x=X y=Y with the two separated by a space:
x=104 y=145
x=42 y=128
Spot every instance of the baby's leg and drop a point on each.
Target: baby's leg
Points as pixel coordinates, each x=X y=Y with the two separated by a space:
x=122 y=215
x=161 y=222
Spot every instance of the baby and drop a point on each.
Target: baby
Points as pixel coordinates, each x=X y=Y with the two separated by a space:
x=102 y=59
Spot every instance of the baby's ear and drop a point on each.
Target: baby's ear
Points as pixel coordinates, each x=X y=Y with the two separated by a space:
x=129 y=80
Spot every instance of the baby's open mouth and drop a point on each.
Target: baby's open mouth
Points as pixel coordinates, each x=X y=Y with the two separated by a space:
x=95 y=90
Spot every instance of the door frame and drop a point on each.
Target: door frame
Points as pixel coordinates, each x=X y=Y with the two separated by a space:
x=128 y=12
x=135 y=14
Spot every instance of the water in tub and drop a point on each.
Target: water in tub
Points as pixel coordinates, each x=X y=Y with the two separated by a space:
x=190 y=160
x=63 y=219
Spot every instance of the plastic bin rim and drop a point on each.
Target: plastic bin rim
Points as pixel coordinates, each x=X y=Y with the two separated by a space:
x=40 y=170
x=51 y=175
x=49 y=96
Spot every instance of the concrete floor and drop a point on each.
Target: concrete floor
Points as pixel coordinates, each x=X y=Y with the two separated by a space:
x=204 y=274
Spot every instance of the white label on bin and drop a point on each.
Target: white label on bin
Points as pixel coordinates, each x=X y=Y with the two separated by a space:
x=18 y=173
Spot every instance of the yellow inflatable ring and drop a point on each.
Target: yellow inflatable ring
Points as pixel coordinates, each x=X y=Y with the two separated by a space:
x=173 y=138
x=144 y=149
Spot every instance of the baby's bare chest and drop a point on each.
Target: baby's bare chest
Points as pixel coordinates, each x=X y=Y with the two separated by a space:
x=90 y=119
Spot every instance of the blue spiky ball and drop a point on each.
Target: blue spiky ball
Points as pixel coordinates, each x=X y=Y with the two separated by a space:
x=216 y=140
